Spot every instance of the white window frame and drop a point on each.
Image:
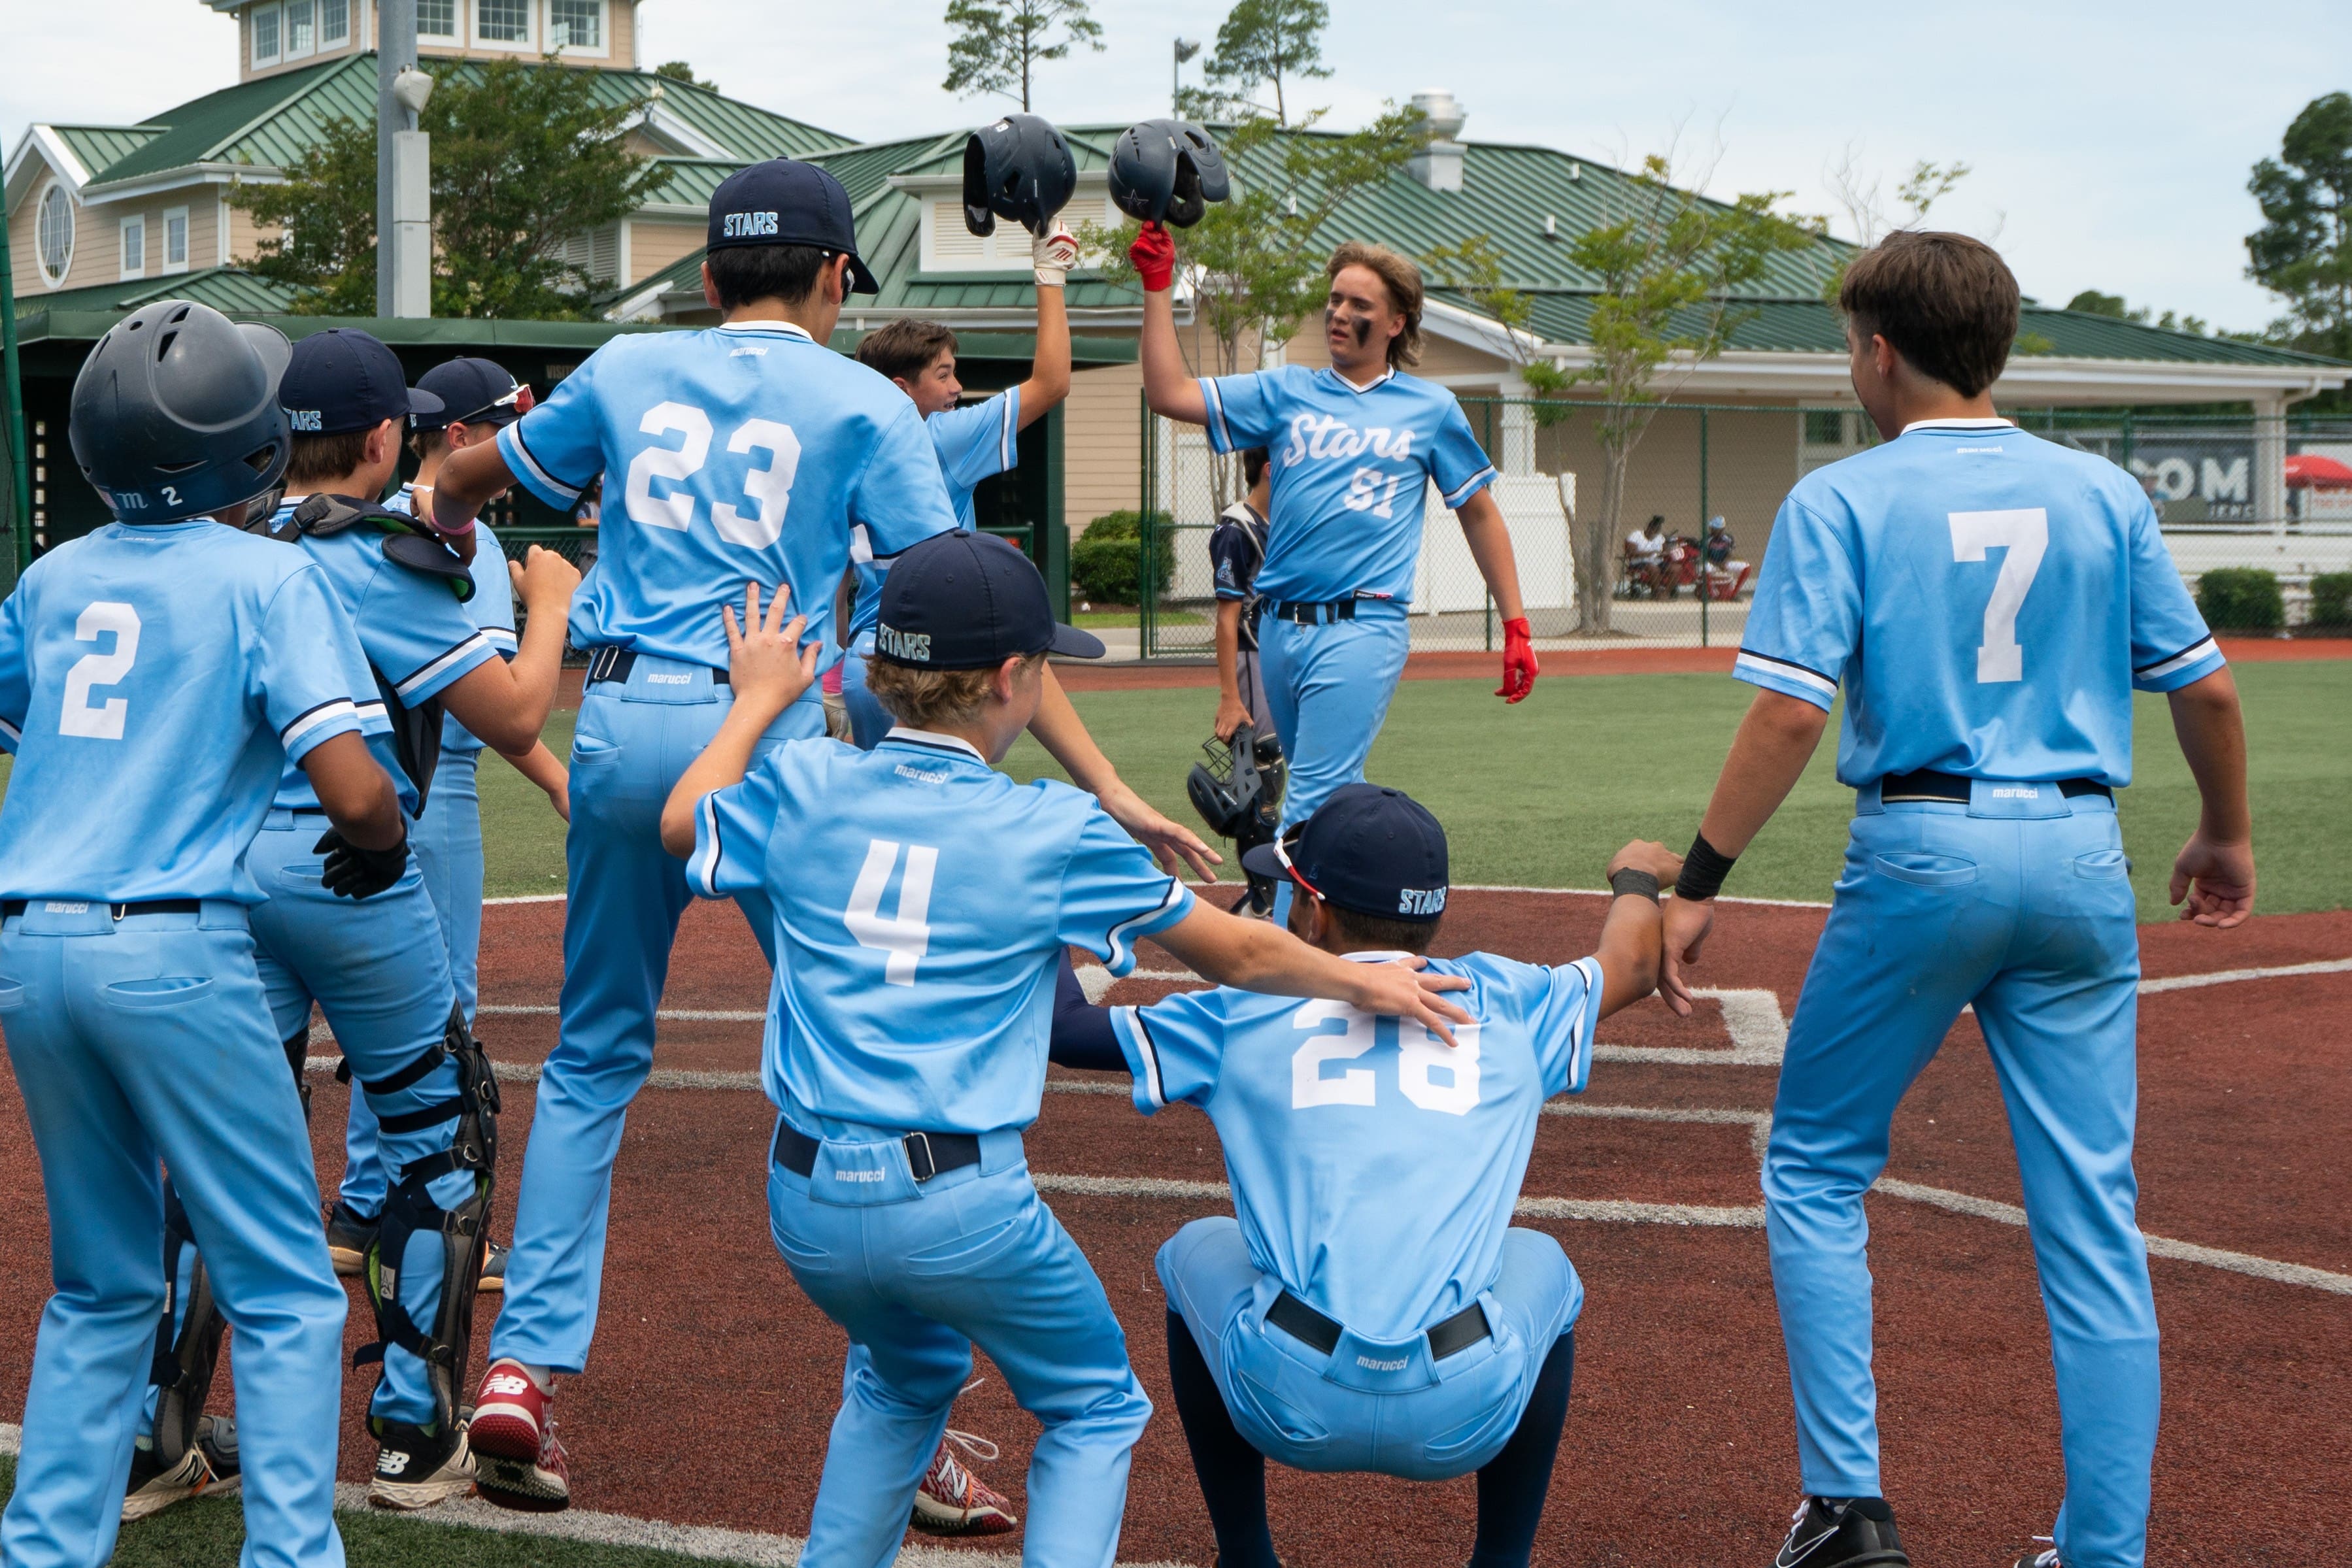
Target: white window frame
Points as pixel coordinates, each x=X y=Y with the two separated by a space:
x=340 y=40
x=134 y=250
x=40 y=263
x=528 y=43
x=168 y=265
x=277 y=54
x=603 y=50
x=457 y=22
x=286 y=47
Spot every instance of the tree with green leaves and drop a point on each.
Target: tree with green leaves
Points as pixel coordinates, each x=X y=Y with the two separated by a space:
x=1263 y=43
x=2091 y=302
x=2303 y=252
x=681 y=70
x=526 y=155
x=998 y=44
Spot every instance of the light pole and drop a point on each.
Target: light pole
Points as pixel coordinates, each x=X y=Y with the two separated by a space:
x=1185 y=49
x=404 y=185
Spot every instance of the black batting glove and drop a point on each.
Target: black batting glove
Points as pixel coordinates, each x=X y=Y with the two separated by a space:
x=354 y=873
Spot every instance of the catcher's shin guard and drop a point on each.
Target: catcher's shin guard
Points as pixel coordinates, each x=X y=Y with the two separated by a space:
x=409 y=1208
x=187 y=1339
x=297 y=1056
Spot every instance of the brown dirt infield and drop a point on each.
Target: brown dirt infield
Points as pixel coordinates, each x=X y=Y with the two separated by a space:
x=714 y=1381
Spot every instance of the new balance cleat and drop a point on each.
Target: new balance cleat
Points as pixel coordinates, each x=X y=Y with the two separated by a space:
x=541 y=1484
x=493 y=1280
x=951 y=1500
x=1842 y=1532
x=415 y=1468
x=208 y=1467
x=348 y=1238
x=511 y=1413
x=2041 y=1557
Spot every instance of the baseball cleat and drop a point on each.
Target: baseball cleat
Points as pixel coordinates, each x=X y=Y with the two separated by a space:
x=541 y=1484
x=2039 y=1557
x=511 y=1413
x=348 y=1238
x=415 y=1468
x=1842 y=1532
x=493 y=1280
x=952 y=1501
x=211 y=1466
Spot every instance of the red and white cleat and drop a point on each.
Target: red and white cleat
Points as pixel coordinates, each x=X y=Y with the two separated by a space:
x=952 y=1501
x=511 y=1412
x=541 y=1484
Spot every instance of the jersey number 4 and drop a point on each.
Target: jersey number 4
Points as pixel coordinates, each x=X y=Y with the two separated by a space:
x=2021 y=535
x=769 y=488
x=907 y=935
x=102 y=721
x=1422 y=1060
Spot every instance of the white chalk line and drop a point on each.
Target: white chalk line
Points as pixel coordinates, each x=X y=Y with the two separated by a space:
x=2230 y=977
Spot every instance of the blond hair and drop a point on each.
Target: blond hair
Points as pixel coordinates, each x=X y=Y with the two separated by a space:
x=927 y=699
x=1402 y=278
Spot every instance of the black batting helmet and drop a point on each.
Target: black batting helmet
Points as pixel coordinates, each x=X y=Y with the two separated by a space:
x=175 y=413
x=1167 y=169
x=1018 y=168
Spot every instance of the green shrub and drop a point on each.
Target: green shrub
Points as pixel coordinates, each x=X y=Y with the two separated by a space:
x=2331 y=599
x=1104 y=560
x=2241 y=598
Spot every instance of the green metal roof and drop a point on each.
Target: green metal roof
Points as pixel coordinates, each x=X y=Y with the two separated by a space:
x=100 y=145
x=226 y=289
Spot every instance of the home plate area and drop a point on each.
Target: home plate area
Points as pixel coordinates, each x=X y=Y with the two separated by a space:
x=700 y=1424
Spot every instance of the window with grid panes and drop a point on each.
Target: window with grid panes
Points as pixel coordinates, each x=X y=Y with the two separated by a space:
x=575 y=24
x=436 y=18
x=335 y=23
x=503 y=21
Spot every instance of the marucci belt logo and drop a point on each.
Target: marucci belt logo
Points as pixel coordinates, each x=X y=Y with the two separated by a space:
x=1370 y=1365
x=858 y=1175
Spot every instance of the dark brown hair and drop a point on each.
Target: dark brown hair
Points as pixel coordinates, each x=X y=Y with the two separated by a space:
x=1374 y=932
x=903 y=348
x=740 y=274
x=1252 y=465
x=1402 y=278
x=316 y=459
x=1944 y=302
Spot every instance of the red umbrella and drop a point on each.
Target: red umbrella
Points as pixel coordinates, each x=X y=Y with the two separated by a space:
x=2320 y=473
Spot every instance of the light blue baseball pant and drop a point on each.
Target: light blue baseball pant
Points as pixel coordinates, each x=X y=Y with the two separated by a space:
x=633 y=741
x=1328 y=689
x=2029 y=917
x=869 y=721
x=377 y=968
x=447 y=845
x=144 y=1044
x=1385 y=1406
x=918 y=1275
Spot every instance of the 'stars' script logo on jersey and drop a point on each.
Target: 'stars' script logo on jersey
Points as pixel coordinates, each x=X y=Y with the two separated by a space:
x=1321 y=436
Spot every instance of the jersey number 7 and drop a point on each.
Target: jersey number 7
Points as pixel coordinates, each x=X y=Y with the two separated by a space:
x=2022 y=535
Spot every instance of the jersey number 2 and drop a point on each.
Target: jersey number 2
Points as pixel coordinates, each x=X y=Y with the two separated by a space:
x=769 y=488
x=1421 y=1055
x=2021 y=535
x=906 y=937
x=104 y=721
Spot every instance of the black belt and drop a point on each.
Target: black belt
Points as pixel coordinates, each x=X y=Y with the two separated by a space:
x=928 y=1154
x=1929 y=785
x=1305 y=1324
x=12 y=907
x=614 y=662
x=1311 y=612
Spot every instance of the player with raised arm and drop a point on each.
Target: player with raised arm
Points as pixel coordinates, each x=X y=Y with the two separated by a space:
x=155 y=675
x=1372 y=1285
x=749 y=452
x=1990 y=602
x=1352 y=447
x=922 y=901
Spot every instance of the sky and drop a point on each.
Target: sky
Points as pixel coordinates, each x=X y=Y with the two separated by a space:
x=2109 y=143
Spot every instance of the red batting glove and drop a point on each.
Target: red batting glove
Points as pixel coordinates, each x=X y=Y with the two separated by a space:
x=1519 y=669
x=1154 y=256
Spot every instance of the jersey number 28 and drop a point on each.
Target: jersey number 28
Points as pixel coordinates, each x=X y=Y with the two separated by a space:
x=1422 y=1060
x=2021 y=535
x=769 y=488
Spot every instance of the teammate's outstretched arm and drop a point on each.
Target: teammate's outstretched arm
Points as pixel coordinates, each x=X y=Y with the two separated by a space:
x=356 y=793
x=1255 y=956
x=547 y=770
x=768 y=670
x=471 y=478
x=1767 y=755
x=1489 y=539
x=1049 y=369
x=1630 y=938
x=505 y=703
x=1168 y=386
x=1063 y=734
x=2215 y=870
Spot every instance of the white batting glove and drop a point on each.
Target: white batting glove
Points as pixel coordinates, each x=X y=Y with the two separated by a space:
x=1054 y=254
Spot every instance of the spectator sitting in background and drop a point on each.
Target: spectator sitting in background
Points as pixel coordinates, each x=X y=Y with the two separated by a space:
x=1724 y=573
x=1645 y=557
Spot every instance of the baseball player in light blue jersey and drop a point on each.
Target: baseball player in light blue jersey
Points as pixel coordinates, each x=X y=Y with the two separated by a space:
x=746 y=452
x=1369 y=1305
x=183 y=664
x=974 y=442
x=1989 y=602
x=379 y=968
x=921 y=900
x=1352 y=447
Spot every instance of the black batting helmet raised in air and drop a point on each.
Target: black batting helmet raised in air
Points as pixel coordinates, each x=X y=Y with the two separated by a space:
x=1167 y=170
x=175 y=413
x=1018 y=168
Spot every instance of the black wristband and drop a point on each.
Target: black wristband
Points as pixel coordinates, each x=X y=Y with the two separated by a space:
x=1704 y=869
x=1635 y=882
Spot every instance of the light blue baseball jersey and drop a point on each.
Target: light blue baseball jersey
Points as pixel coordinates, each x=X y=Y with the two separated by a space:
x=492 y=608
x=709 y=442
x=1374 y=1168
x=1348 y=463
x=975 y=442
x=416 y=631
x=922 y=901
x=1990 y=598
x=152 y=682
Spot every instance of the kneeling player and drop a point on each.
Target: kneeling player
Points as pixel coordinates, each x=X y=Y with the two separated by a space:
x=1372 y=1308
x=906 y=1051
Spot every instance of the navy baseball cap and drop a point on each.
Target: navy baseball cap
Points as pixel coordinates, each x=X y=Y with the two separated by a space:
x=343 y=378
x=472 y=391
x=1367 y=849
x=786 y=201
x=969 y=602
